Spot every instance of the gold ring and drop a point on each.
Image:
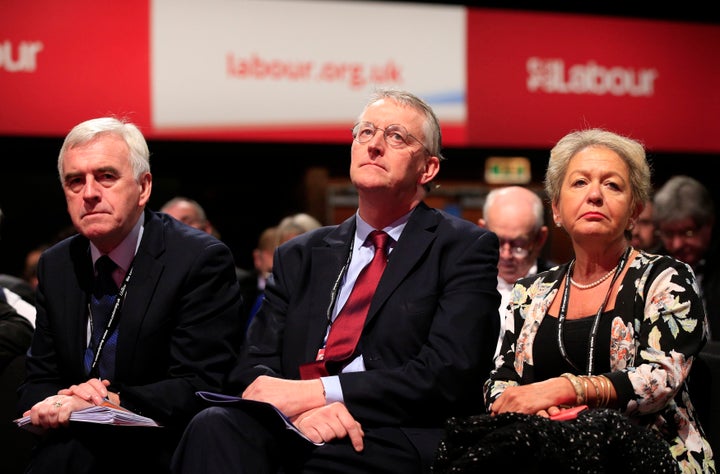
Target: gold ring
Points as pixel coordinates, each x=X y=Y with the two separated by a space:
x=57 y=404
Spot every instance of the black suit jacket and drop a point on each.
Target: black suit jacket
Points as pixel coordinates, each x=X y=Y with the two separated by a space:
x=179 y=328
x=429 y=336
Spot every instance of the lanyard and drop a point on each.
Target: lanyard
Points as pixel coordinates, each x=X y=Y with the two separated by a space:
x=111 y=320
x=596 y=321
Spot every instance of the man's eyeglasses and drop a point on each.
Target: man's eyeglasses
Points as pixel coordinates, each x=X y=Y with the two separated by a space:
x=681 y=234
x=518 y=248
x=396 y=136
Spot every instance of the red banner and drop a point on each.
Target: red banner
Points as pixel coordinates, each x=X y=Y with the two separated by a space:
x=94 y=61
x=534 y=77
x=531 y=77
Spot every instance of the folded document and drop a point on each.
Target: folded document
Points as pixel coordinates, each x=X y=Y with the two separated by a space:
x=106 y=414
x=265 y=411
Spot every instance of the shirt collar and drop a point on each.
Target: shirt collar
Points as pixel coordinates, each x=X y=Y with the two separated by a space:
x=124 y=253
x=363 y=229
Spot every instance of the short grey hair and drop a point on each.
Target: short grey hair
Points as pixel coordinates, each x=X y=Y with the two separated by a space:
x=431 y=127
x=683 y=197
x=632 y=152
x=89 y=130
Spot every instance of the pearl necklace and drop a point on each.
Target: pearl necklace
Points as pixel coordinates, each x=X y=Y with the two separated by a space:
x=595 y=283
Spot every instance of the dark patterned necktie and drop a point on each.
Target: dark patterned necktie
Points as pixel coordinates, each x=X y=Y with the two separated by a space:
x=102 y=300
x=348 y=325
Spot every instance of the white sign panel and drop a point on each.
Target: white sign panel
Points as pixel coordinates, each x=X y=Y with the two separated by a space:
x=226 y=64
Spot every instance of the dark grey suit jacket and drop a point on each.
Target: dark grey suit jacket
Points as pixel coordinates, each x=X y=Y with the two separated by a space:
x=429 y=336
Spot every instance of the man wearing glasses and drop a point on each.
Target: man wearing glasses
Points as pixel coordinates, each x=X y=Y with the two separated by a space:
x=684 y=214
x=425 y=337
x=517 y=216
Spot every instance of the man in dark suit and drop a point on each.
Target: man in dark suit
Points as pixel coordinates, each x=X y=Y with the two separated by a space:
x=176 y=325
x=427 y=342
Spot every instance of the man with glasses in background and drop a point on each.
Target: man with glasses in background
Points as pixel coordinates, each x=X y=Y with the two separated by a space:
x=684 y=214
x=517 y=216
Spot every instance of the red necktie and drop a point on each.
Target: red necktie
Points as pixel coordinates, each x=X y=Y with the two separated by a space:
x=347 y=327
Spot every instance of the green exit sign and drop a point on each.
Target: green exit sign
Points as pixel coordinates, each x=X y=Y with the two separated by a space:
x=507 y=170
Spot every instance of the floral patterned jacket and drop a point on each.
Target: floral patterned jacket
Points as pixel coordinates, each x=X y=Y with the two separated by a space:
x=658 y=329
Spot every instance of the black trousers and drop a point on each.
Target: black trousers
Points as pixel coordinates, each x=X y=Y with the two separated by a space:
x=229 y=439
x=87 y=448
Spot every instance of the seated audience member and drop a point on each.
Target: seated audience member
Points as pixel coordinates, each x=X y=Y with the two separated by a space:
x=16 y=285
x=188 y=211
x=289 y=227
x=517 y=216
x=262 y=267
x=684 y=213
x=615 y=327
x=17 y=320
x=644 y=234
x=30 y=268
x=378 y=402
x=136 y=309
x=295 y=225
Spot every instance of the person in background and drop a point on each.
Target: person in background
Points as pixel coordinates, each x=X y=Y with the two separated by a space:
x=262 y=263
x=190 y=212
x=30 y=267
x=684 y=213
x=17 y=322
x=615 y=327
x=517 y=216
x=289 y=227
x=16 y=286
x=294 y=225
x=426 y=344
x=644 y=234
x=174 y=328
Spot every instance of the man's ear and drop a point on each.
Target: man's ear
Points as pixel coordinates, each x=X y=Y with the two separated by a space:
x=432 y=167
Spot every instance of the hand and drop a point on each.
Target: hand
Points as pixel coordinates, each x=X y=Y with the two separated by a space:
x=55 y=411
x=330 y=422
x=291 y=397
x=93 y=391
x=540 y=398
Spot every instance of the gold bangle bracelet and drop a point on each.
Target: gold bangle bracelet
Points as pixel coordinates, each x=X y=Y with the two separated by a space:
x=580 y=395
x=599 y=394
x=608 y=387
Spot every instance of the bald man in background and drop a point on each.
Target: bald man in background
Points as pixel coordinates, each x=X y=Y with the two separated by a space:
x=517 y=216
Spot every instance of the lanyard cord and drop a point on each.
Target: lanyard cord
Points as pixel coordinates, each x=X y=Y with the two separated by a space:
x=336 y=285
x=108 y=327
x=596 y=321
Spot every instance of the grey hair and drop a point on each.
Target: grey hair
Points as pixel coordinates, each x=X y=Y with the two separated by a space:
x=431 y=126
x=683 y=197
x=630 y=151
x=89 y=130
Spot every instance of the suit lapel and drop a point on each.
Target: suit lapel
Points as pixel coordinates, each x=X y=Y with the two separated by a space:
x=77 y=292
x=327 y=263
x=417 y=236
x=142 y=285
